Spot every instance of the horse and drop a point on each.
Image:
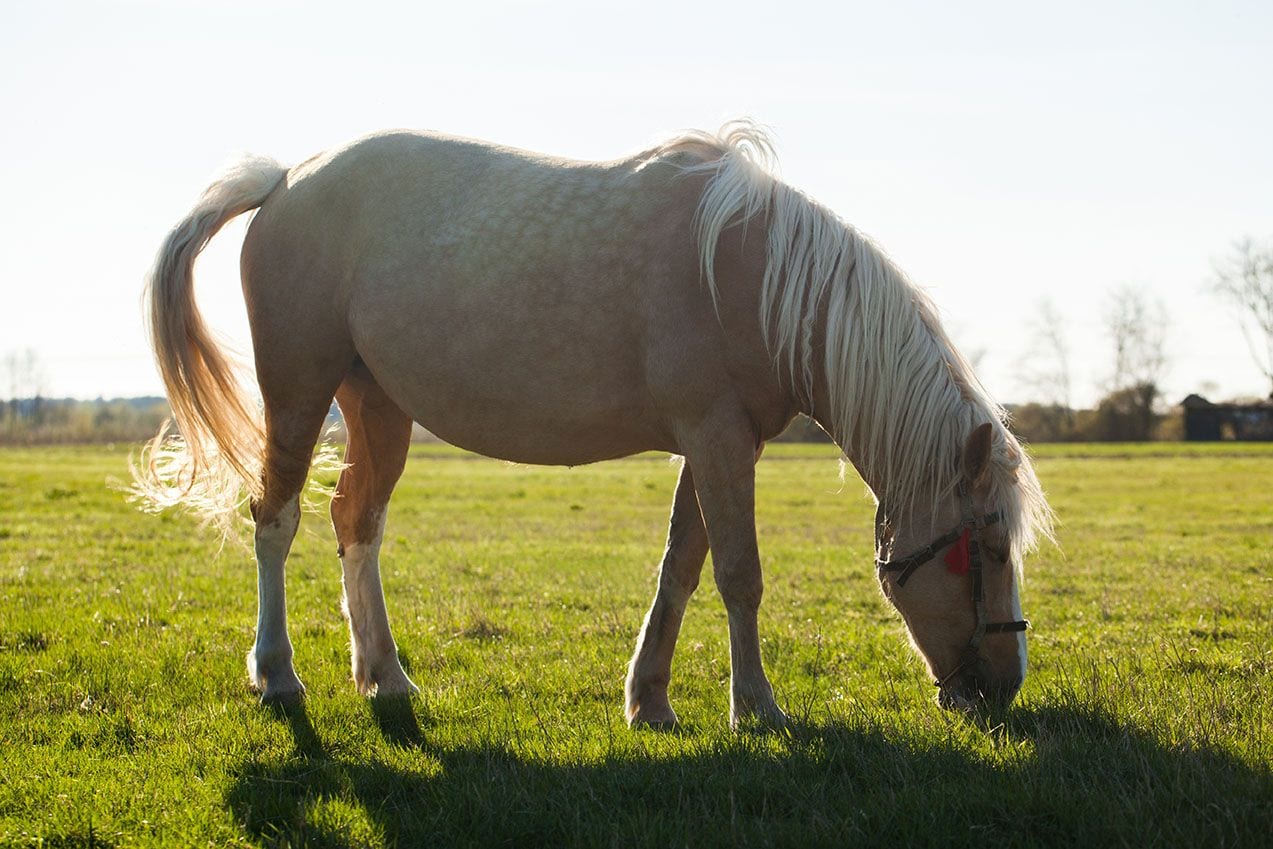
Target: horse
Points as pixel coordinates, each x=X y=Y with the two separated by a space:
x=541 y=310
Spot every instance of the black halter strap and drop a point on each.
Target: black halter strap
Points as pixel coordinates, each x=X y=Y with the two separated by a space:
x=905 y=566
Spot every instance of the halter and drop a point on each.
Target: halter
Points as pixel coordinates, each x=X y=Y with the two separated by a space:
x=973 y=524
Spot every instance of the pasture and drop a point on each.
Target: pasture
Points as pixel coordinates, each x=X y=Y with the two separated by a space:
x=516 y=594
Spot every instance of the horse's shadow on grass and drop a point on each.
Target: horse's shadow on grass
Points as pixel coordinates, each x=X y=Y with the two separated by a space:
x=1067 y=776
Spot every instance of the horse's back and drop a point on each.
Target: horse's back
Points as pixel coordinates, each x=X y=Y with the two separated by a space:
x=500 y=297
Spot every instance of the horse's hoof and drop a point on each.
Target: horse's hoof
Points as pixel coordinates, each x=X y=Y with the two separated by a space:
x=649 y=709
x=279 y=687
x=281 y=697
x=765 y=717
x=392 y=681
x=402 y=688
x=656 y=720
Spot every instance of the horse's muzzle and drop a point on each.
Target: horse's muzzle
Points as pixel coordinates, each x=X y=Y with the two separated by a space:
x=974 y=691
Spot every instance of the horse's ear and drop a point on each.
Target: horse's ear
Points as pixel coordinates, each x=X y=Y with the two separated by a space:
x=977 y=456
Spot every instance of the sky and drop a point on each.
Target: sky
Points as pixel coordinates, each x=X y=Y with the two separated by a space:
x=1001 y=153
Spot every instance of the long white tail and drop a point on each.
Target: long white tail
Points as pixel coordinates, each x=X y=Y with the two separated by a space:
x=217 y=458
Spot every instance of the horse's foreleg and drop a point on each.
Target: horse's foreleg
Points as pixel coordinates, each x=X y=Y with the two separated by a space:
x=724 y=461
x=379 y=434
x=651 y=667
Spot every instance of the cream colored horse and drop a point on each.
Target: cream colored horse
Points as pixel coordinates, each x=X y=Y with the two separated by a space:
x=549 y=311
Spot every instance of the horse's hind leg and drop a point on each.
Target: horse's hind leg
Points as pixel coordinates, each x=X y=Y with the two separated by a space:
x=651 y=667
x=379 y=434
x=292 y=429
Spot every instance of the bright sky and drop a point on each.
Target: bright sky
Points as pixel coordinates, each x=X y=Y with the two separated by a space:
x=1000 y=152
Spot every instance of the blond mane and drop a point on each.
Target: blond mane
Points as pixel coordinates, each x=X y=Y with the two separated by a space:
x=903 y=398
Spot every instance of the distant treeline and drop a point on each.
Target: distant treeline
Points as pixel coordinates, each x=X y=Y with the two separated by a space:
x=48 y=421
x=1119 y=417
x=62 y=421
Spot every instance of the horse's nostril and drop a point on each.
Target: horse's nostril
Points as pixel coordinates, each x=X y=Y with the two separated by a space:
x=975 y=690
x=959 y=693
x=1002 y=693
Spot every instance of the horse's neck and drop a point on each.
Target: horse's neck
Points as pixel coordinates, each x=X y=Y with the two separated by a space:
x=872 y=470
x=820 y=410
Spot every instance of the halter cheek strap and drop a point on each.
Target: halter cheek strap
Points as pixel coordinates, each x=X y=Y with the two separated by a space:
x=907 y=565
x=971 y=525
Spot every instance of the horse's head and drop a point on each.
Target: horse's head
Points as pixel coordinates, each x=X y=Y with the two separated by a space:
x=948 y=570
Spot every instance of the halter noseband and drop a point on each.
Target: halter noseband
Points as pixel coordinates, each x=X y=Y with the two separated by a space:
x=974 y=525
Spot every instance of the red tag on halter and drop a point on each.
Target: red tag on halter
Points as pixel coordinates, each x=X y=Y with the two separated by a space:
x=957 y=557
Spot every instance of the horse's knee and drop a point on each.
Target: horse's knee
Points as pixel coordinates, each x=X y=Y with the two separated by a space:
x=680 y=582
x=744 y=588
x=683 y=559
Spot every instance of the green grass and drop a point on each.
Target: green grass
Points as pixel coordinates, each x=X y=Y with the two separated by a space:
x=516 y=594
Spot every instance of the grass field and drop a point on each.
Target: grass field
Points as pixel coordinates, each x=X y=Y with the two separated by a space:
x=516 y=594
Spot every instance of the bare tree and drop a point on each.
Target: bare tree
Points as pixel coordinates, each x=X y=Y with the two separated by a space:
x=1245 y=280
x=1046 y=370
x=1044 y=374
x=26 y=381
x=1137 y=329
x=13 y=368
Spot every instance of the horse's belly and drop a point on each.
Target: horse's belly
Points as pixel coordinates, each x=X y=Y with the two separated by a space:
x=559 y=442
x=560 y=388
x=538 y=424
